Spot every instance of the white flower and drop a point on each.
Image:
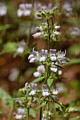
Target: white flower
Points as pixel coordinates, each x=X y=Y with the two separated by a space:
x=57 y=27
x=37 y=74
x=61 y=54
x=22 y=6
x=20 y=113
x=41 y=69
x=42 y=59
x=34 y=56
x=67 y=6
x=13 y=74
x=45 y=91
x=3 y=9
x=17 y=116
x=53 y=69
x=74 y=32
x=28 y=5
x=32 y=93
x=55 y=91
x=56 y=32
x=20 y=50
x=38 y=34
x=27 y=12
x=30 y=56
x=53 y=58
x=32 y=60
x=53 y=54
x=21 y=110
x=33 y=88
x=21 y=47
x=19 y=12
x=59 y=72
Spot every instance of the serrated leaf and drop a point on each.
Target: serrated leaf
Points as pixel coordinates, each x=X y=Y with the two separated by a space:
x=32 y=112
x=41 y=105
x=38 y=79
x=6 y=98
x=49 y=81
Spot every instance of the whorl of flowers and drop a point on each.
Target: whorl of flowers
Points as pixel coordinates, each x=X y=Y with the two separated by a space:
x=52 y=58
x=33 y=90
x=41 y=32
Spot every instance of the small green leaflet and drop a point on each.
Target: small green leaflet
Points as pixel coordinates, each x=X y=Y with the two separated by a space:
x=41 y=105
x=38 y=79
x=32 y=112
x=50 y=81
x=6 y=98
x=9 y=47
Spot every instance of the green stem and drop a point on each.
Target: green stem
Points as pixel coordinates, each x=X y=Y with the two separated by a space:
x=52 y=23
x=41 y=113
x=28 y=114
x=48 y=34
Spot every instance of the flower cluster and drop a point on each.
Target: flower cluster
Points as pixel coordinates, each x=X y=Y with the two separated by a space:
x=32 y=90
x=3 y=9
x=20 y=113
x=21 y=47
x=74 y=32
x=67 y=7
x=41 y=32
x=24 y=10
x=52 y=58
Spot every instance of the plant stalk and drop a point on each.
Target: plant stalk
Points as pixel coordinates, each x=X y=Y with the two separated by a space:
x=41 y=113
x=48 y=34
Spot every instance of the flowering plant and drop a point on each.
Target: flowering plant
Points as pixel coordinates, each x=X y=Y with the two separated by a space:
x=43 y=92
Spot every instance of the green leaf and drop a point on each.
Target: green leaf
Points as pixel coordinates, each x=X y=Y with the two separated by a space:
x=75 y=118
x=4 y=27
x=74 y=84
x=41 y=105
x=73 y=61
x=32 y=112
x=50 y=81
x=74 y=49
x=9 y=47
x=73 y=109
x=38 y=79
x=6 y=98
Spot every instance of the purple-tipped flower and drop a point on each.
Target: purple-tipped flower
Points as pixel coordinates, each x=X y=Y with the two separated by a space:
x=21 y=47
x=55 y=91
x=34 y=56
x=61 y=57
x=40 y=71
x=45 y=91
x=37 y=35
x=57 y=27
x=53 y=54
x=33 y=89
x=20 y=113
